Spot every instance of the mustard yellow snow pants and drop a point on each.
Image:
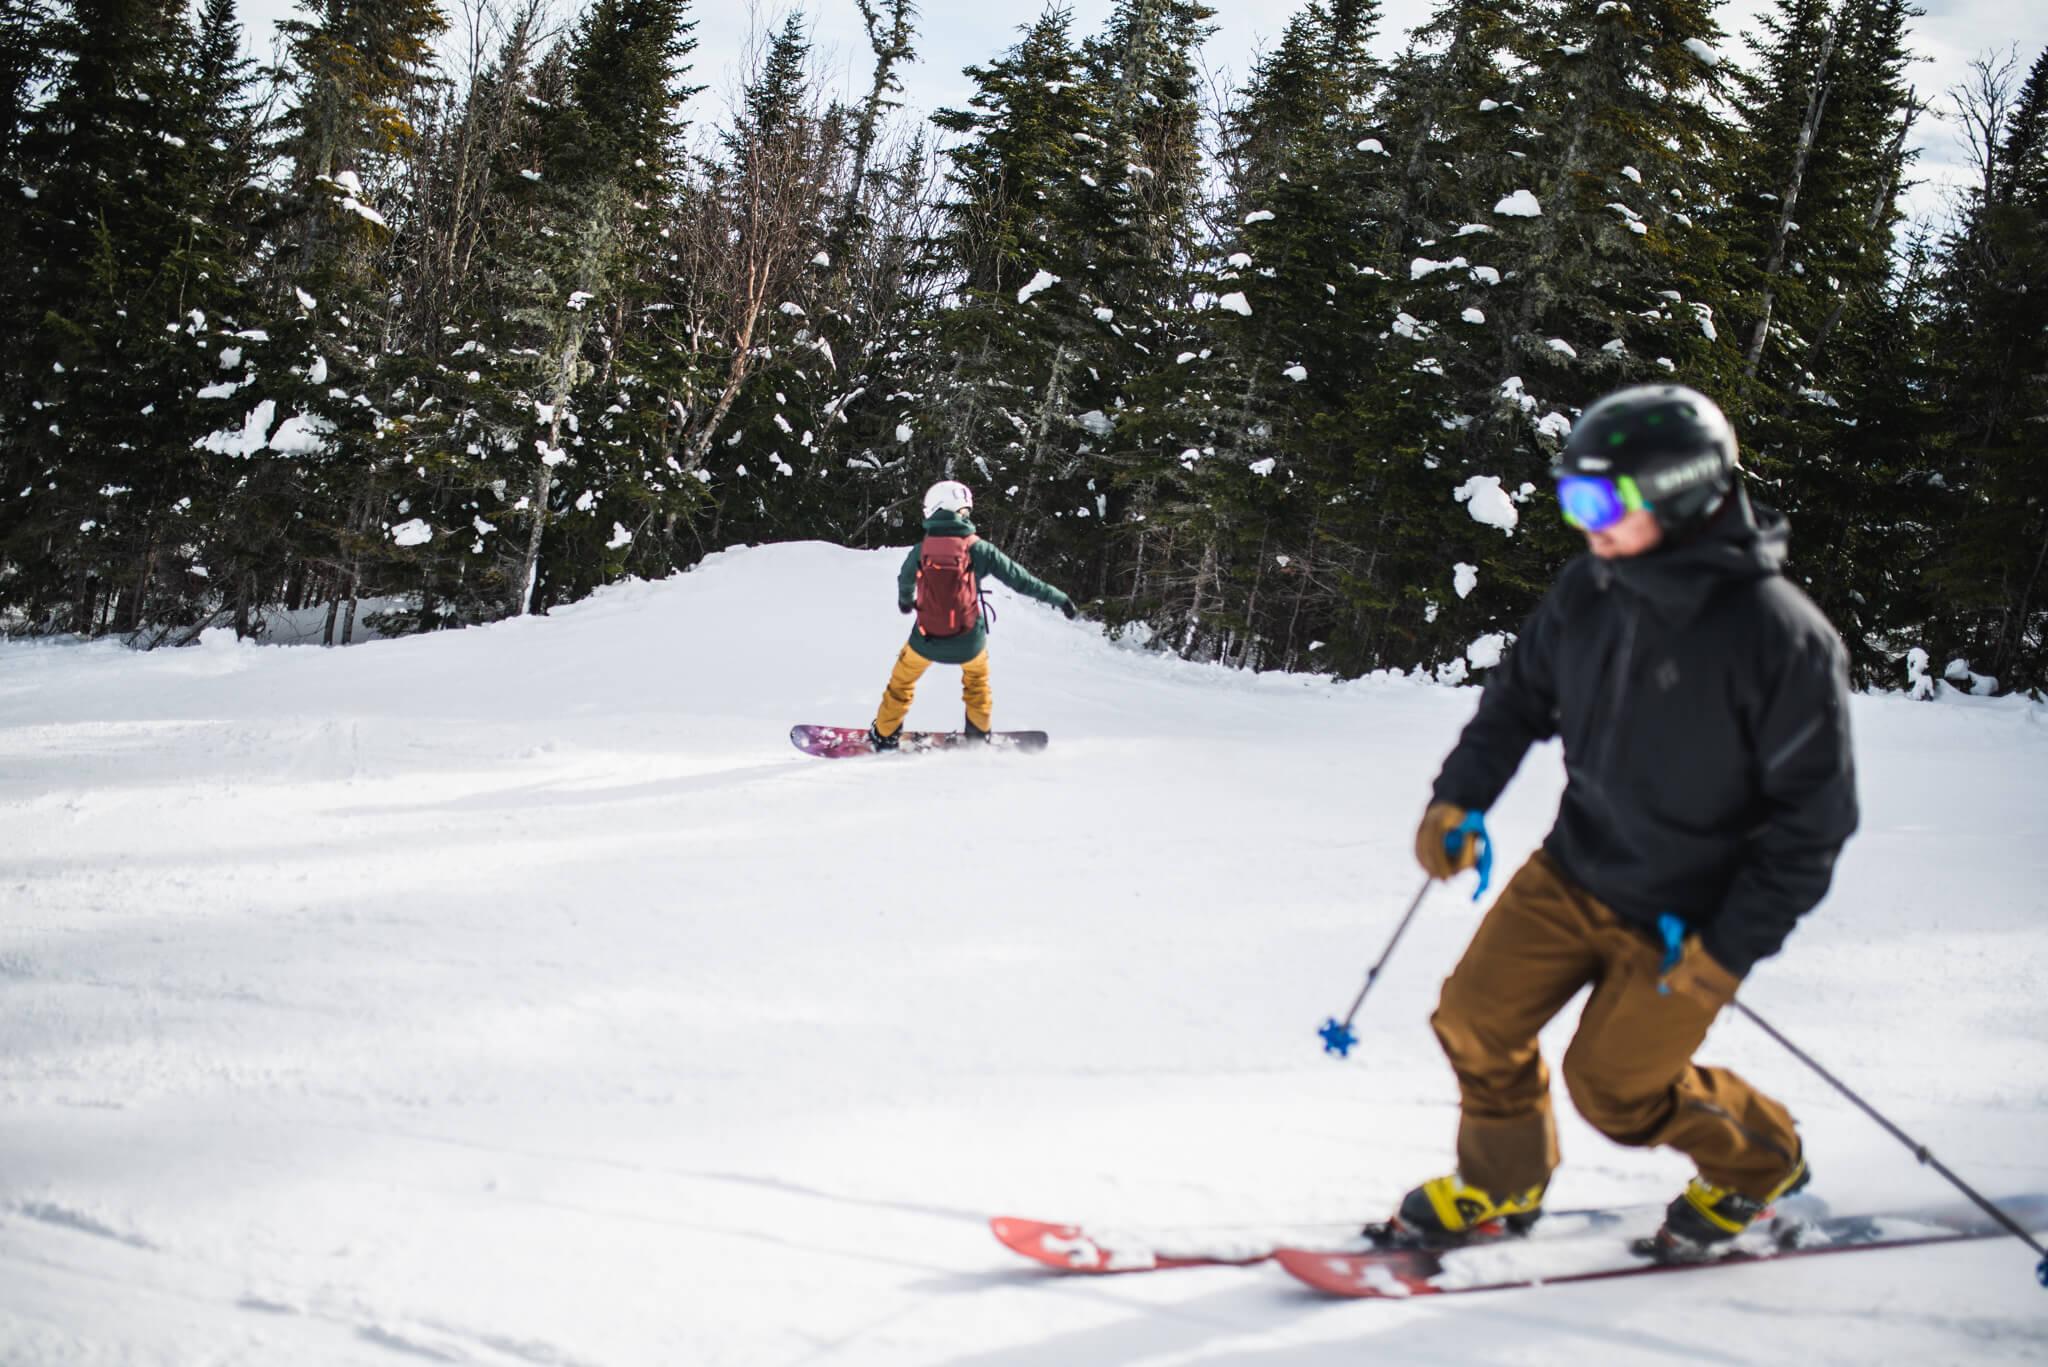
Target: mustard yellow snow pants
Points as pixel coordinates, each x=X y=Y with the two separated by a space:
x=910 y=667
x=1629 y=1069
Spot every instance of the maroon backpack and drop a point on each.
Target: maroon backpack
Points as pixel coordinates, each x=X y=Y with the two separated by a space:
x=948 y=595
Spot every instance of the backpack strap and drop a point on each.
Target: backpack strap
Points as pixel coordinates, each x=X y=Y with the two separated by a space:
x=988 y=612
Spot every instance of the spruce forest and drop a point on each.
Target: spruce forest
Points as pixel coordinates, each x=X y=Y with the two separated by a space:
x=460 y=313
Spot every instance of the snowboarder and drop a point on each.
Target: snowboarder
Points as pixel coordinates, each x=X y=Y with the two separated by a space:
x=941 y=582
x=1702 y=701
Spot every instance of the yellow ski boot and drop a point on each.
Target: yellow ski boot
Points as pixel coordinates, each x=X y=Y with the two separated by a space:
x=1445 y=1212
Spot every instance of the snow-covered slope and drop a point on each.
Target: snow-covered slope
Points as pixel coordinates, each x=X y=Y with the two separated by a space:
x=519 y=996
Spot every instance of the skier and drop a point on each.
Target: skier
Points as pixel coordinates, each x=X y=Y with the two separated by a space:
x=941 y=582
x=1703 y=704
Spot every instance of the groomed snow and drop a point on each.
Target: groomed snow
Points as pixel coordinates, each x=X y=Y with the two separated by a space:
x=518 y=996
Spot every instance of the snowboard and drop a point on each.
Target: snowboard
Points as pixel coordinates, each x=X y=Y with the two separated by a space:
x=839 y=742
x=1801 y=1229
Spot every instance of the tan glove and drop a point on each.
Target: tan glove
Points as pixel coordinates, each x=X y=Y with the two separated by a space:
x=1437 y=823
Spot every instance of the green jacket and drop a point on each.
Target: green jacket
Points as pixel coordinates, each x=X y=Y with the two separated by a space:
x=987 y=560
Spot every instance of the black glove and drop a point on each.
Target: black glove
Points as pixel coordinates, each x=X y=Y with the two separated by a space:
x=906 y=608
x=1067 y=606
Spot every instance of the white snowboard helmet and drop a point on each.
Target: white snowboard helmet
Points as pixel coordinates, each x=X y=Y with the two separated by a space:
x=949 y=494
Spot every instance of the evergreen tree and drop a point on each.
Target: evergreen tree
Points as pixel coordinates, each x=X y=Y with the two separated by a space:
x=1135 y=217
x=1257 y=465
x=1619 y=265
x=30 y=42
x=1991 y=573
x=1810 y=224
x=1008 y=402
x=487 y=344
x=777 y=370
x=122 y=331
x=1467 y=433
x=325 y=413
x=464 y=441
x=581 y=439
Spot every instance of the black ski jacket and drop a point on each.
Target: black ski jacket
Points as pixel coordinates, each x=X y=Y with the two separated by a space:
x=1703 y=701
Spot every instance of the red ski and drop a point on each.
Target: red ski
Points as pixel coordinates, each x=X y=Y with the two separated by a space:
x=1540 y=1261
x=839 y=742
x=1073 y=1249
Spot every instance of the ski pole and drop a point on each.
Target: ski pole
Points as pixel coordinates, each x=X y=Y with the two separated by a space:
x=1919 y=1150
x=1337 y=1035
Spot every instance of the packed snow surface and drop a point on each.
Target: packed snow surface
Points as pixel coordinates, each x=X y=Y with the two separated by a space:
x=519 y=996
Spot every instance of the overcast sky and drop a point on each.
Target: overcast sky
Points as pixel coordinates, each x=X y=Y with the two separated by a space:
x=956 y=33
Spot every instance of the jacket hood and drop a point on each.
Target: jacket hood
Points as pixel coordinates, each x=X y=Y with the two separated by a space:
x=946 y=522
x=1745 y=541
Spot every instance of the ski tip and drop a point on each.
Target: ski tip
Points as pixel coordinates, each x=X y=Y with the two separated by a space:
x=1029 y=1237
x=1064 y=1247
x=2041 y=1272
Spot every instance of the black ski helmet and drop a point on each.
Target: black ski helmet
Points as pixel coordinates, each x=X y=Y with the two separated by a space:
x=1674 y=442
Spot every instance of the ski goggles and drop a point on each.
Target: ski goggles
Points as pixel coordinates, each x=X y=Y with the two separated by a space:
x=1593 y=503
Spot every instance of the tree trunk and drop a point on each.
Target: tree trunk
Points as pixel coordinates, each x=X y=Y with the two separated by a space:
x=1301 y=579
x=544 y=478
x=138 y=605
x=1809 y=129
x=1055 y=394
x=245 y=592
x=2019 y=635
x=889 y=49
x=1251 y=602
x=735 y=379
x=1887 y=192
x=1202 y=576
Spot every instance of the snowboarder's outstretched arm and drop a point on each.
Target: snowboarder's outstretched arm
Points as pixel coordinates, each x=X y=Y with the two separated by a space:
x=1518 y=708
x=1806 y=805
x=991 y=562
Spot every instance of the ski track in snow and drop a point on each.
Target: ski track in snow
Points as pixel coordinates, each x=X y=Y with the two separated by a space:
x=519 y=996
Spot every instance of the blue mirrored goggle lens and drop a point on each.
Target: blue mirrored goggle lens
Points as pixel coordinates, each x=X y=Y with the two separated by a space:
x=1591 y=504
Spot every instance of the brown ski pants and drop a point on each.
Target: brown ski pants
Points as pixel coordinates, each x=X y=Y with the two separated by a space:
x=1629 y=1068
